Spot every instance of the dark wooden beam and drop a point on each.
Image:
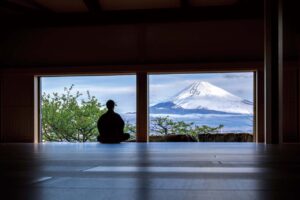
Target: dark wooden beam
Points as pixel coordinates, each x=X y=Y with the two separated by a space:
x=39 y=6
x=133 y=17
x=16 y=7
x=184 y=4
x=93 y=5
x=34 y=8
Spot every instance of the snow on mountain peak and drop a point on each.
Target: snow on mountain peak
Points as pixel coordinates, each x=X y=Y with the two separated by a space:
x=204 y=95
x=203 y=88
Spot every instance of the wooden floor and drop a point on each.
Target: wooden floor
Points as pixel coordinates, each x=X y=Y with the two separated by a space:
x=147 y=171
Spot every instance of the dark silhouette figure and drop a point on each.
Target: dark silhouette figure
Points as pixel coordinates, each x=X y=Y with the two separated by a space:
x=111 y=126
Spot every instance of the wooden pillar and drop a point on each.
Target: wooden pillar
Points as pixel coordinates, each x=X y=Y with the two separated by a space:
x=260 y=137
x=37 y=110
x=291 y=101
x=273 y=72
x=298 y=104
x=1 y=107
x=142 y=107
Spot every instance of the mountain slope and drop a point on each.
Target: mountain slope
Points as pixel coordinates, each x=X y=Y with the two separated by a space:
x=204 y=98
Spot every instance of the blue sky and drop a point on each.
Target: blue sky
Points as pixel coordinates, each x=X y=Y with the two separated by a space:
x=122 y=88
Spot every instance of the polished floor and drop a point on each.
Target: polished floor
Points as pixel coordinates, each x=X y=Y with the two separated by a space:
x=147 y=171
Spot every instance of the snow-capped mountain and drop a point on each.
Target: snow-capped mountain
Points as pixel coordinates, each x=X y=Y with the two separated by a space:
x=204 y=98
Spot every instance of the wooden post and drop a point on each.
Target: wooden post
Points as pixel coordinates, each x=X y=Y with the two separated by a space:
x=37 y=108
x=142 y=107
x=1 y=108
x=273 y=72
x=255 y=124
x=260 y=137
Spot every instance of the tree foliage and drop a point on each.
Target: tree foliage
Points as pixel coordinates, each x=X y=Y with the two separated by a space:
x=67 y=118
x=130 y=129
x=166 y=126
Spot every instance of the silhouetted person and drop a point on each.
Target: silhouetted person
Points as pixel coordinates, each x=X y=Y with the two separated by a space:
x=111 y=126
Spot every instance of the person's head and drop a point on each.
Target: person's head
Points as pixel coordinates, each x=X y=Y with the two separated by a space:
x=110 y=104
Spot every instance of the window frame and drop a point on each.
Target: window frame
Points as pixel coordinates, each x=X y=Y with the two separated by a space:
x=142 y=83
x=212 y=72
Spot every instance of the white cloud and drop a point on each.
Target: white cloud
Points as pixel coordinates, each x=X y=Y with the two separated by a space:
x=107 y=90
x=124 y=96
x=94 y=90
x=238 y=75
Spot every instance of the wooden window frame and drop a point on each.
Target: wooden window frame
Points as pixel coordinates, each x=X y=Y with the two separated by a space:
x=142 y=72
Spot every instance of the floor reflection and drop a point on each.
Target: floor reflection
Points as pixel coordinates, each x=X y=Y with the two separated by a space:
x=149 y=171
x=143 y=179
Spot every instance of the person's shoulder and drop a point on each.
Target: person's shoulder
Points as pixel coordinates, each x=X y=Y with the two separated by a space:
x=117 y=114
x=103 y=116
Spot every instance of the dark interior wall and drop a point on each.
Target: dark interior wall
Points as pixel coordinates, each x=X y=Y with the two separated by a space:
x=17 y=108
x=194 y=42
x=215 y=41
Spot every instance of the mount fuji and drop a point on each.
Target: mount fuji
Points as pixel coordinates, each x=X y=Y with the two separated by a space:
x=203 y=98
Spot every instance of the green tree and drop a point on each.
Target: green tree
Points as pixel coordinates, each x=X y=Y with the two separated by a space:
x=131 y=129
x=207 y=129
x=67 y=118
x=162 y=125
x=165 y=126
x=181 y=127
